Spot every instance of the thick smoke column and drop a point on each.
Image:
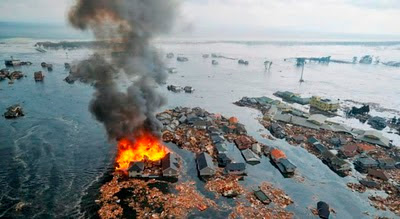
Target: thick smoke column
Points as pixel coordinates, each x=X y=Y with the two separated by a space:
x=128 y=25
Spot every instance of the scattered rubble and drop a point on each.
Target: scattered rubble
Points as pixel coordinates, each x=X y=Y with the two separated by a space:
x=214 y=62
x=258 y=209
x=67 y=66
x=225 y=185
x=356 y=187
x=170 y=55
x=14 y=112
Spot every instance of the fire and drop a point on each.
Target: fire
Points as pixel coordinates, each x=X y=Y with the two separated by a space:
x=145 y=146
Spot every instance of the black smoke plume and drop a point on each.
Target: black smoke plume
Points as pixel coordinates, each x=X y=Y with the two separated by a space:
x=128 y=26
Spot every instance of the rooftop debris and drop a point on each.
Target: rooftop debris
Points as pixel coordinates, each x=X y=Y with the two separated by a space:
x=182 y=59
x=366 y=59
x=4 y=73
x=172 y=70
x=292 y=97
x=268 y=65
x=178 y=89
x=323 y=210
x=15 y=62
x=69 y=79
x=16 y=75
x=280 y=160
x=188 y=89
x=243 y=62
x=324 y=105
x=377 y=122
x=13 y=112
x=38 y=76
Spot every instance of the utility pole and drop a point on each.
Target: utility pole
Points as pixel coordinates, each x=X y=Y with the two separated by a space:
x=302 y=72
x=301 y=62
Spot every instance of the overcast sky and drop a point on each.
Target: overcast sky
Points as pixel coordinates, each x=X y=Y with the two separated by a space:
x=248 y=17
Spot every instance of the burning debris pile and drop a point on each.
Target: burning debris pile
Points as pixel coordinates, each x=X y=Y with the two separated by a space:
x=144 y=147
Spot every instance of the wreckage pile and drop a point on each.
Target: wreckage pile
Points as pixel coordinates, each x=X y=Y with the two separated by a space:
x=377 y=162
x=13 y=112
x=257 y=209
x=192 y=129
x=146 y=200
x=226 y=185
x=15 y=75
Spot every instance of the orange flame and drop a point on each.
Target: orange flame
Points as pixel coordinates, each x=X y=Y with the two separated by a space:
x=146 y=146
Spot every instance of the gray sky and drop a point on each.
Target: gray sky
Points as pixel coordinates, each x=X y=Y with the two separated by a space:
x=248 y=17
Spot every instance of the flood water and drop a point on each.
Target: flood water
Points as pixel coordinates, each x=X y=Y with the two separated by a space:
x=54 y=158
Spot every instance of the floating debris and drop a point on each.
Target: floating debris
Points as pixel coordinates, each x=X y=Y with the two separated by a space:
x=13 y=112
